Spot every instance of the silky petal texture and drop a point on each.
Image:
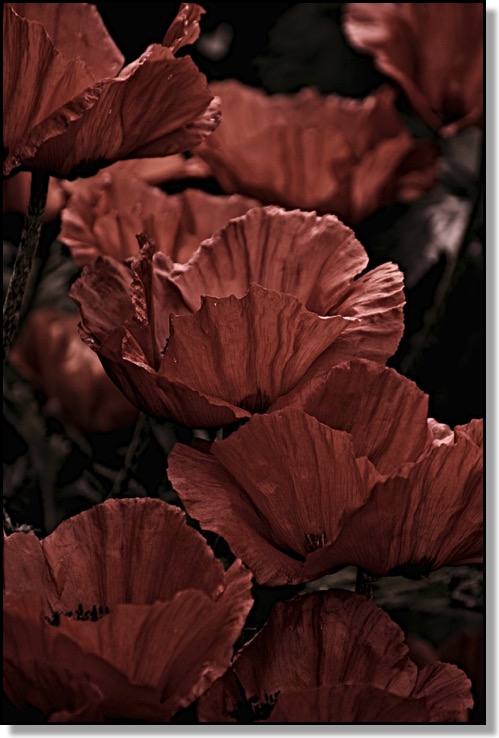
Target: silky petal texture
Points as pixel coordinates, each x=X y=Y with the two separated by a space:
x=91 y=42
x=282 y=514
x=314 y=258
x=384 y=412
x=433 y=50
x=326 y=639
x=105 y=213
x=253 y=349
x=429 y=517
x=82 y=119
x=317 y=152
x=122 y=551
x=51 y=355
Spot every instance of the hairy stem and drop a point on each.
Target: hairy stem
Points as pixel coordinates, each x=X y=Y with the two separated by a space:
x=24 y=258
x=365 y=583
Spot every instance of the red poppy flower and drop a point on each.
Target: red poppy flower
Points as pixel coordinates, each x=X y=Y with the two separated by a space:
x=333 y=657
x=51 y=355
x=433 y=50
x=75 y=109
x=296 y=499
x=329 y=154
x=105 y=213
x=156 y=361
x=122 y=612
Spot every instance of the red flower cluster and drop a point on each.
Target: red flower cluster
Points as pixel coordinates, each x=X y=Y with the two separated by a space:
x=229 y=313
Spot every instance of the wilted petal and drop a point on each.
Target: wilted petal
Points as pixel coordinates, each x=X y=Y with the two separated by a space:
x=446 y=87
x=88 y=38
x=258 y=489
x=385 y=413
x=324 y=153
x=331 y=641
x=50 y=353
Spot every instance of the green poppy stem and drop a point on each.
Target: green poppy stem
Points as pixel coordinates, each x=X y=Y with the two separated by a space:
x=24 y=258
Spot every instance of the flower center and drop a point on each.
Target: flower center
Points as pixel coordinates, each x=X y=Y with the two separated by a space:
x=313 y=541
x=94 y=614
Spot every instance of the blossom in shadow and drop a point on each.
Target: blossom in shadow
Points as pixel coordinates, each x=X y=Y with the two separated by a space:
x=264 y=271
x=333 y=657
x=434 y=51
x=297 y=499
x=51 y=355
x=76 y=109
x=325 y=153
x=122 y=612
x=105 y=213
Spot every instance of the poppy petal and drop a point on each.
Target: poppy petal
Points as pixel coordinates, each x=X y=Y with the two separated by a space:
x=385 y=413
x=247 y=508
x=225 y=330
x=92 y=43
x=314 y=258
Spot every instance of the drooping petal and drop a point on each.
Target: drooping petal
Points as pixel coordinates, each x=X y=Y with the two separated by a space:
x=91 y=42
x=431 y=516
x=313 y=258
x=258 y=489
x=50 y=353
x=323 y=153
x=385 y=413
x=122 y=551
x=444 y=88
x=336 y=642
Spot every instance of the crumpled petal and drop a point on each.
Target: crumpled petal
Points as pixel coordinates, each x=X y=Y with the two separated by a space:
x=444 y=87
x=105 y=213
x=82 y=119
x=279 y=512
x=337 y=642
x=384 y=412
